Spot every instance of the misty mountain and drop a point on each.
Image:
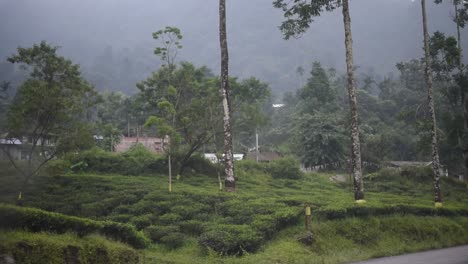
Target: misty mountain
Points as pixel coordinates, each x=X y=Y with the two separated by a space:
x=112 y=39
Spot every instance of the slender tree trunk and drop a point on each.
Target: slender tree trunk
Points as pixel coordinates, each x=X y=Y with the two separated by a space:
x=257 y=152
x=230 y=182
x=464 y=101
x=355 y=142
x=170 y=172
x=428 y=74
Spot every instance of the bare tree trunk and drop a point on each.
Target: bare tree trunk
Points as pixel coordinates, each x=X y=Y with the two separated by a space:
x=355 y=142
x=428 y=74
x=464 y=101
x=230 y=181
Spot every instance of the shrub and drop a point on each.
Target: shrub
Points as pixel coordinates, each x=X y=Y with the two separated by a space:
x=122 y=218
x=250 y=166
x=387 y=174
x=169 y=218
x=156 y=233
x=136 y=161
x=173 y=240
x=192 y=227
x=27 y=247
x=200 y=164
x=125 y=233
x=36 y=220
x=57 y=167
x=420 y=174
x=231 y=239
x=142 y=221
x=285 y=168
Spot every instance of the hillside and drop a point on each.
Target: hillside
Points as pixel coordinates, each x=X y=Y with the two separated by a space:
x=197 y=223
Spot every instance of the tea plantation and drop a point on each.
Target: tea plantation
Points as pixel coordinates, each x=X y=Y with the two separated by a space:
x=134 y=219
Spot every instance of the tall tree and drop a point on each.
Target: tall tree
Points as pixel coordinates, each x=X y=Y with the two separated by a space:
x=299 y=14
x=445 y=61
x=318 y=134
x=169 y=39
x=47 y=109
x=230 y=181
x=461 y=17
x=430 y=99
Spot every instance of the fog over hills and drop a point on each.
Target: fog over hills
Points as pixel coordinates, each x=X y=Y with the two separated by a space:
x=112 y=39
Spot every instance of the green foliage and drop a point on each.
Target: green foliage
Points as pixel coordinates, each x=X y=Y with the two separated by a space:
x=193 y=227
x=258 y=215
x=251 y=166
x=285 y=168
x=27 y=247
x=170 y=218
x=49 y=106
x=170 y=40
x=36 y=220
x=58 y=167
x=185 y=100
x=111 y=136
x=320 y=139
x=318 y=134
x=231 y=239
x=173 y=240
x=300 y=14
x=142 y=221
x=136 y=161
x=200 y=164
x=52 y=75
x=156 y=233
x=166 y=235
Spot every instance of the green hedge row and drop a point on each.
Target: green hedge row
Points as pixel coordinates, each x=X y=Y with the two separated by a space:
x=136 y=161
x=27 y=247
x=36 y=220
x=283 y=168
x=365 y=211
x=234 y=238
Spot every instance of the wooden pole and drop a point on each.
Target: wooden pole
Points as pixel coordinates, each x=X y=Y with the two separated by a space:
x=308 y=216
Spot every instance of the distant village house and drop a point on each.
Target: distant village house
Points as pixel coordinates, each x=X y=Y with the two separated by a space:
x=153 y=144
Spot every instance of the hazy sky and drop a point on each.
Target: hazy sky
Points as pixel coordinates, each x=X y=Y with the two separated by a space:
x=384 y=31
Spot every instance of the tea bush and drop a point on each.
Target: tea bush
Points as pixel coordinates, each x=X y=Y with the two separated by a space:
x=48 y=248
x=231 y=239
x=136 y=161
x=35 y=220
x=285 y=168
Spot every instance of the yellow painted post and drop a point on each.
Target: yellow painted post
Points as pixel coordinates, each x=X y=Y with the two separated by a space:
x=308 y=216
